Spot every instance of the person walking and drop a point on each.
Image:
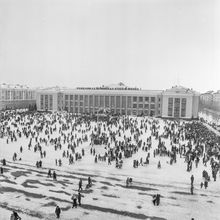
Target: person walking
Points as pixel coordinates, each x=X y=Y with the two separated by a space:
x=80 y=184
x=57 y=211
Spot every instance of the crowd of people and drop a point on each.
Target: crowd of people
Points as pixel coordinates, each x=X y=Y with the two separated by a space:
x=120 y=138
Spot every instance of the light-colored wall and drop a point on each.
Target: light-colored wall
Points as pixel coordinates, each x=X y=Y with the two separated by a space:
x=189 y=105
x=195 y=108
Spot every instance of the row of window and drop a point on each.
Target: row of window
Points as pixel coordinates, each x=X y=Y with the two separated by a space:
x=16 y=95
x=174 y=107
x=46 y=102
x=86 y=97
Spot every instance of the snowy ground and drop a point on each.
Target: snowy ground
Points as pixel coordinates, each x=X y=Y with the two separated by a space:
x=27 y=189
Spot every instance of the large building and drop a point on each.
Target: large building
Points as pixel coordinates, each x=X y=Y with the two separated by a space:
x=177 y=102
x=16 y=97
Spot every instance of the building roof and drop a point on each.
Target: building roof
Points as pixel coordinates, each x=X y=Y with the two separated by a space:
x=180 y=90
x=11 y=86
x=118 y=86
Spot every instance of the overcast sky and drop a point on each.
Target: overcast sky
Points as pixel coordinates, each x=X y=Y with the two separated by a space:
x=152 y=44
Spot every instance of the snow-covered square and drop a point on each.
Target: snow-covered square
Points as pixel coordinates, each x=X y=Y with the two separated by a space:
x=28 y=189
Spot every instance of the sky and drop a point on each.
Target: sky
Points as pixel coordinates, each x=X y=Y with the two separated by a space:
x=150 y=44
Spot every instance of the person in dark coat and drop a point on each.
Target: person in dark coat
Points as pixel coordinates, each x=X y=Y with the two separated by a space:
x=74 y=200
x=54 y=175
x=192 y=179
x=79 y=198
x=80 y=184
x=2 y=171
x=49 y=173
x=58 y=211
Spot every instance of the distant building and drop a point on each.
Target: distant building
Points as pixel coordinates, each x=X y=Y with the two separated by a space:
x=16 y=97
x=177 y=102
x=216 y=101
x=206 y=99
x=210 y=100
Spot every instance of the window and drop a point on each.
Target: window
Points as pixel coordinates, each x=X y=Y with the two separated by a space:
x=76 y=97
x=102 y=101
x=176 y=107
x=81 y=97
x=46 y=102
x=86 y=100
x=66 y=97
x=140 y=106
x=134 y=105
x=146 y=112
x=170 y=107
x=140 y=99
x=146 y=106
x=112 y=101
x=117 y=101
x=107 y=101
x=152 y=106
x=41 y=102
x=90 y=100
x=51 y=102
x=152 y=99
x=123 y=102
x=71 y=97
x=183 y=107
x=135 y=99
x=96 y=101
x=129 y=102
x=146 y=99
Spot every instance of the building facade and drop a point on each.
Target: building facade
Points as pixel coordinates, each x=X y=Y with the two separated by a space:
x=120 y=99
x=117 y=98
x=180 y=102
x=16 y=97
x=210 y=100
x=216 y=101
x=206 y=99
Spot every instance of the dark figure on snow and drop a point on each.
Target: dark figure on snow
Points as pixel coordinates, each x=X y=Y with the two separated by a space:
x=191 y=189
x=156 y=199
x=79 y=198
x=89 y=181
x=54 y=175
x=159 y=165
x=192 y=179
x=15 y=216
x=80 y=184
x=49 y=173
x=4 y=162
x=57 y=211
x=2 y=171
x=74 y=200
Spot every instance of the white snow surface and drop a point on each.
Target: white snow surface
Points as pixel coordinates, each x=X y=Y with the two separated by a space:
x=107 y=198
